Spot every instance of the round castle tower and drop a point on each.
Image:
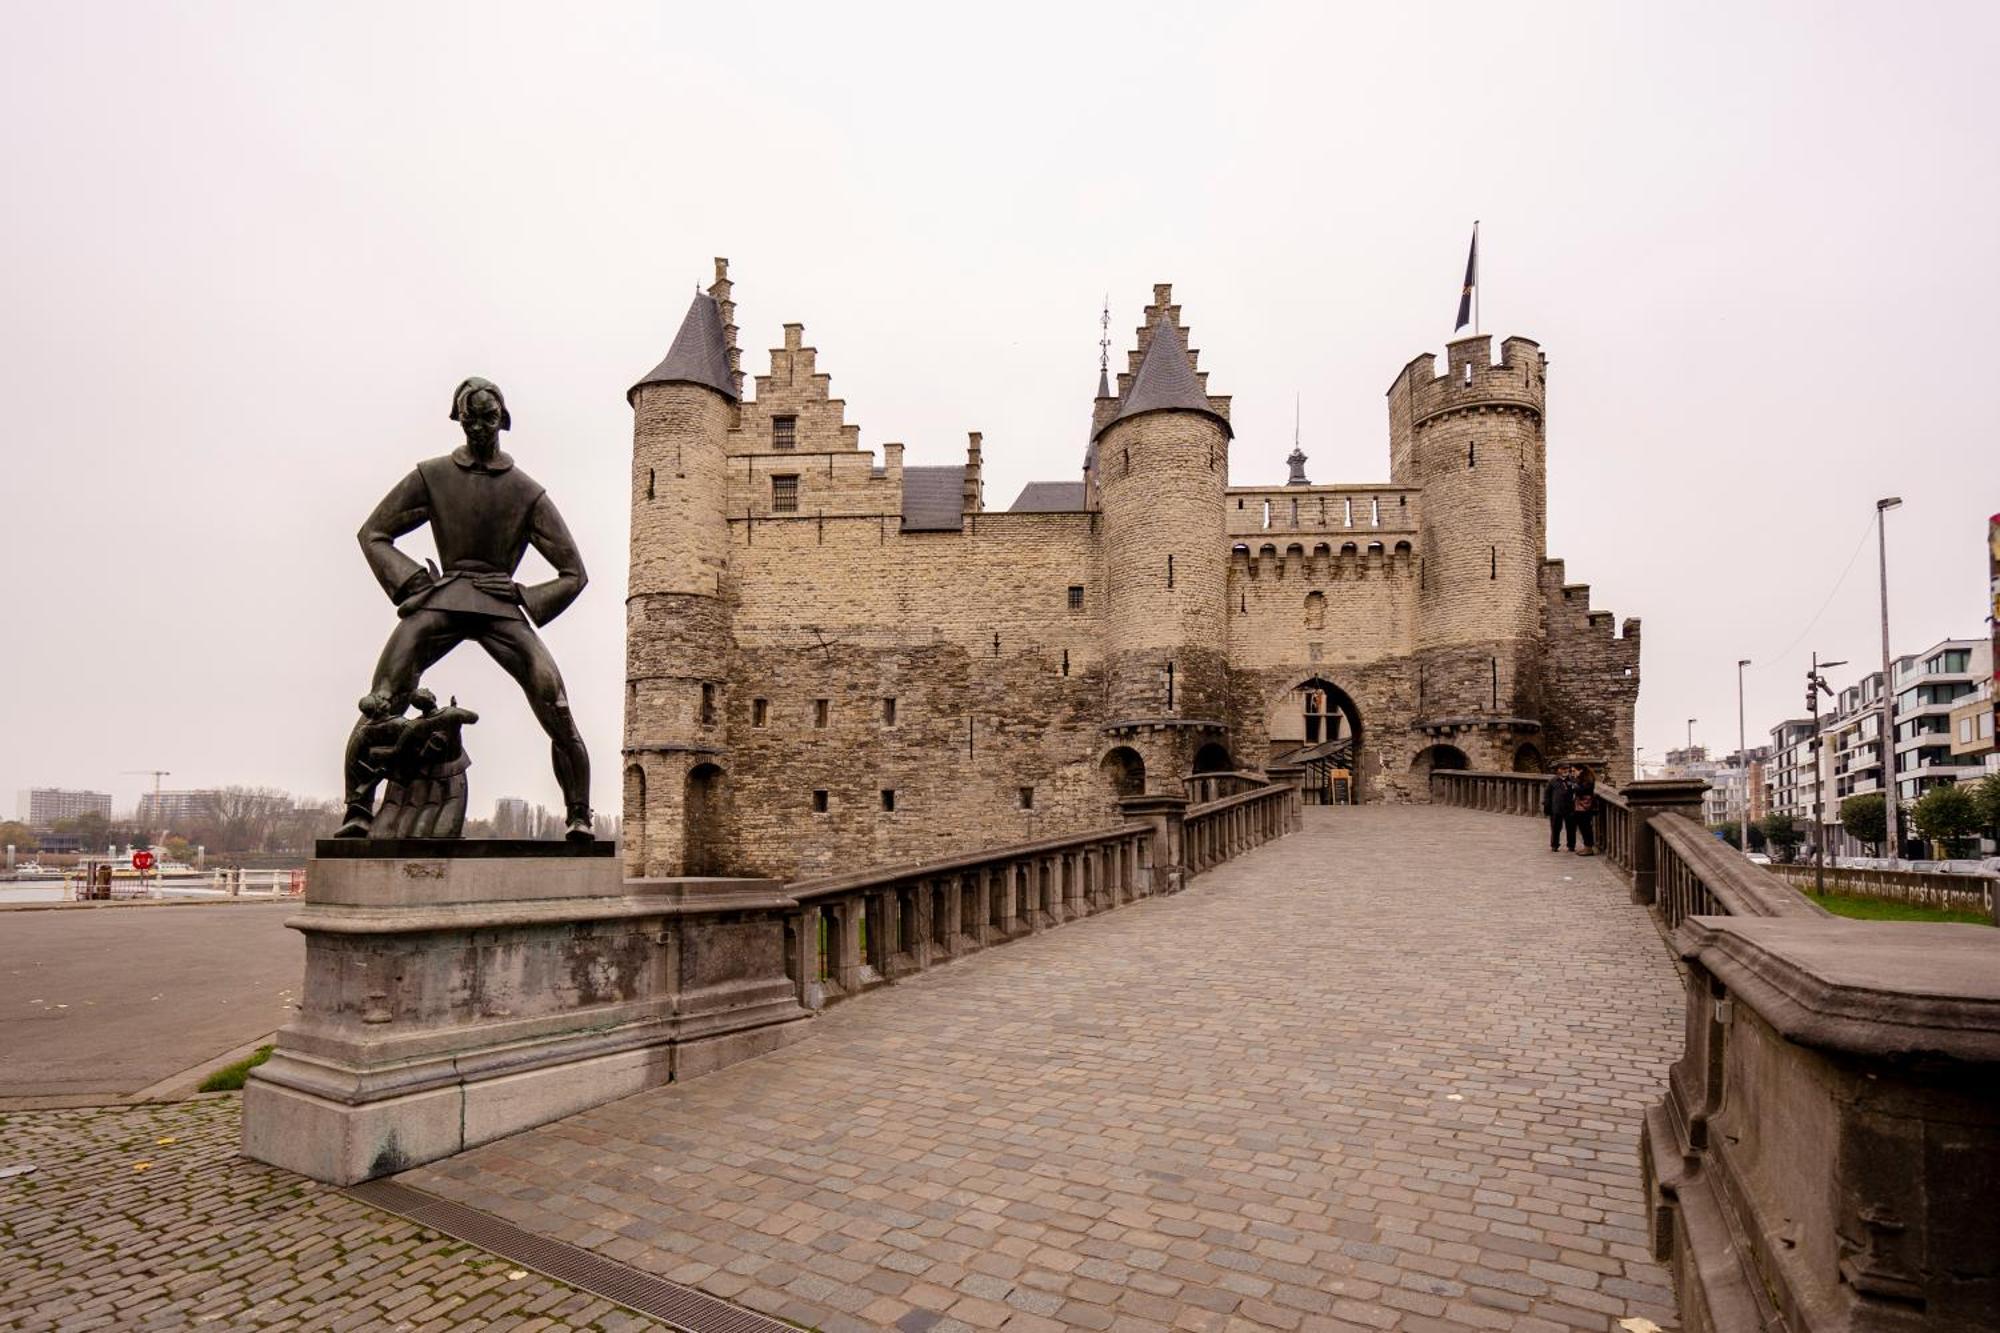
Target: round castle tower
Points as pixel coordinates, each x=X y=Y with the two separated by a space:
x=1473 y=439
x=1161 y=455
x=676 y=669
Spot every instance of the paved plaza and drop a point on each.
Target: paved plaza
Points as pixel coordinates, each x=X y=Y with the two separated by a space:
x=145 y=1218
x=108 y=1000
x=1384 y=1074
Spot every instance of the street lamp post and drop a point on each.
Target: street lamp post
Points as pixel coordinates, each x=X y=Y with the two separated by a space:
x=1815 y=683
x=1892 y=809
x=1743 y=759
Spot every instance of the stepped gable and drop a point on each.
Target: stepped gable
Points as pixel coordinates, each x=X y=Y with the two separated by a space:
x=1049 y=497
x=700 y=354
x=934 y=498
x=1165 y=381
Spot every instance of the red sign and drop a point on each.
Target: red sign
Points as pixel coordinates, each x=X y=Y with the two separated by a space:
x=142 y=860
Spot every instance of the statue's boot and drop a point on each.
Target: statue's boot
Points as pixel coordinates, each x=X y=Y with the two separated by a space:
x=359 y=817
x=572 y=765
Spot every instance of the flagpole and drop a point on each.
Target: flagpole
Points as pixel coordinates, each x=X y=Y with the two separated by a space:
x=1477 y=281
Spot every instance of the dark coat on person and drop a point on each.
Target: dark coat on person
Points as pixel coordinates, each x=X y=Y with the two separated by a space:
x=1556 y=796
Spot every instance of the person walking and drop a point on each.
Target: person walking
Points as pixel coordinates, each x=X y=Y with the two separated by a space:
x=1583 y=805
x=1556 y=805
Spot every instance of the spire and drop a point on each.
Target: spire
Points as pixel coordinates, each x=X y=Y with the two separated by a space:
x=1165 y=381
x=1298 y=456
x=1104 y=350
x=700 y=354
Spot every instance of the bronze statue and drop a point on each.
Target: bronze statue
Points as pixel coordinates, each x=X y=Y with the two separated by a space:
x=484 y=514
x=423 y=761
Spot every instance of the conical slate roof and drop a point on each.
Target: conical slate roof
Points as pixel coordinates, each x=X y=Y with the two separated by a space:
x=1166 y=381
x=698 y=355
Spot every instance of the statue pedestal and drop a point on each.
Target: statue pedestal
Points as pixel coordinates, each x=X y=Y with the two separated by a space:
x=459 y=991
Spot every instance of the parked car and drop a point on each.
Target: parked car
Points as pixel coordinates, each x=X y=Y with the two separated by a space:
x=1758 y=859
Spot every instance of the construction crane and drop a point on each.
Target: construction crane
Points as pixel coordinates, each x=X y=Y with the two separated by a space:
x=157 y=773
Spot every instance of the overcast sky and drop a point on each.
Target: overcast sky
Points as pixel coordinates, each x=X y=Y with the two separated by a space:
x=248 y=250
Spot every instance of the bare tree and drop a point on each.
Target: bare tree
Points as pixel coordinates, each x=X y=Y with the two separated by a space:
x=237 y=819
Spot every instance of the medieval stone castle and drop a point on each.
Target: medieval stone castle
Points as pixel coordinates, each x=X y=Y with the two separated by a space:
x=835 y=662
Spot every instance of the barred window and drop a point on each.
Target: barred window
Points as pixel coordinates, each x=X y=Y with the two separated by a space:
x=784 y=495
x=784 y=432
x=1076 y=598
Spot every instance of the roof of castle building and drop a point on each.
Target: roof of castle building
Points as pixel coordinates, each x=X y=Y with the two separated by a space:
x=1166 y=380
x=934 y=498
x=1049 y=497
x=698 y=356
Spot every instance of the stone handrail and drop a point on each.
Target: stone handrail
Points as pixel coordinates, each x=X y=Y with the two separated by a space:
x=1201 y=788
x=1819 y=1161
x=1671 y=862
x=856 y=931
x=1501 y=793
x=1700 y=876
x=1219 y=830
x=853 y=932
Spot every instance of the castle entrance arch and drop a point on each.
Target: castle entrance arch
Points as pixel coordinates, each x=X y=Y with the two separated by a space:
x=1316 y=723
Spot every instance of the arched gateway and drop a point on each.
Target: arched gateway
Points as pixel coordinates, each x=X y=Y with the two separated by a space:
x=1317 y=724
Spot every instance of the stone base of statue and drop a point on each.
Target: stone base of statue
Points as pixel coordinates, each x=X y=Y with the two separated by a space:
x=458 y=992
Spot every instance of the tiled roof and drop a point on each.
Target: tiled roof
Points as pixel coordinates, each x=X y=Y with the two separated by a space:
x=1049 y=497
x=934 y=498
x=1166 y=380
x=698 y=355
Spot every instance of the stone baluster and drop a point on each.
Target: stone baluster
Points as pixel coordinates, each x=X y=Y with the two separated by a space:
x=1165 y=814
x=1648 y=799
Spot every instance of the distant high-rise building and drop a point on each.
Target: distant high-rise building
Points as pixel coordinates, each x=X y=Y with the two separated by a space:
x=168 y=808
x=513 y=817
x=40 y=807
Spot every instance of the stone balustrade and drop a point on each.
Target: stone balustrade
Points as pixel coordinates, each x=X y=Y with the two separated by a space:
x=1501 y=793
x=854 y=932
x=1828 y=1150
x=1201 y=788
x=1221 y=829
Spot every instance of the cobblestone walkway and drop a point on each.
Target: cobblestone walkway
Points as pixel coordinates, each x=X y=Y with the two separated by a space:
x=1384 y=1074
x=145 y=1218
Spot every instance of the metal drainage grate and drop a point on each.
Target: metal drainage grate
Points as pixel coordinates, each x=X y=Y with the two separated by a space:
x=683 y=1307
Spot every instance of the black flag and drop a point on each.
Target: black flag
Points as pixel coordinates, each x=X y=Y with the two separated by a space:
x=1471 y=279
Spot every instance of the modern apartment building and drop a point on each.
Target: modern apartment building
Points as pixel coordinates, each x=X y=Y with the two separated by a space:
x=1790 y=785
x=171 y=809
x=1735 y=785
x=40 y=807
x=1972 y=729
x=1929 y=686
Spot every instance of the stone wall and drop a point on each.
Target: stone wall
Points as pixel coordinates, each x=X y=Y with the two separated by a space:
x=1591 y=680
